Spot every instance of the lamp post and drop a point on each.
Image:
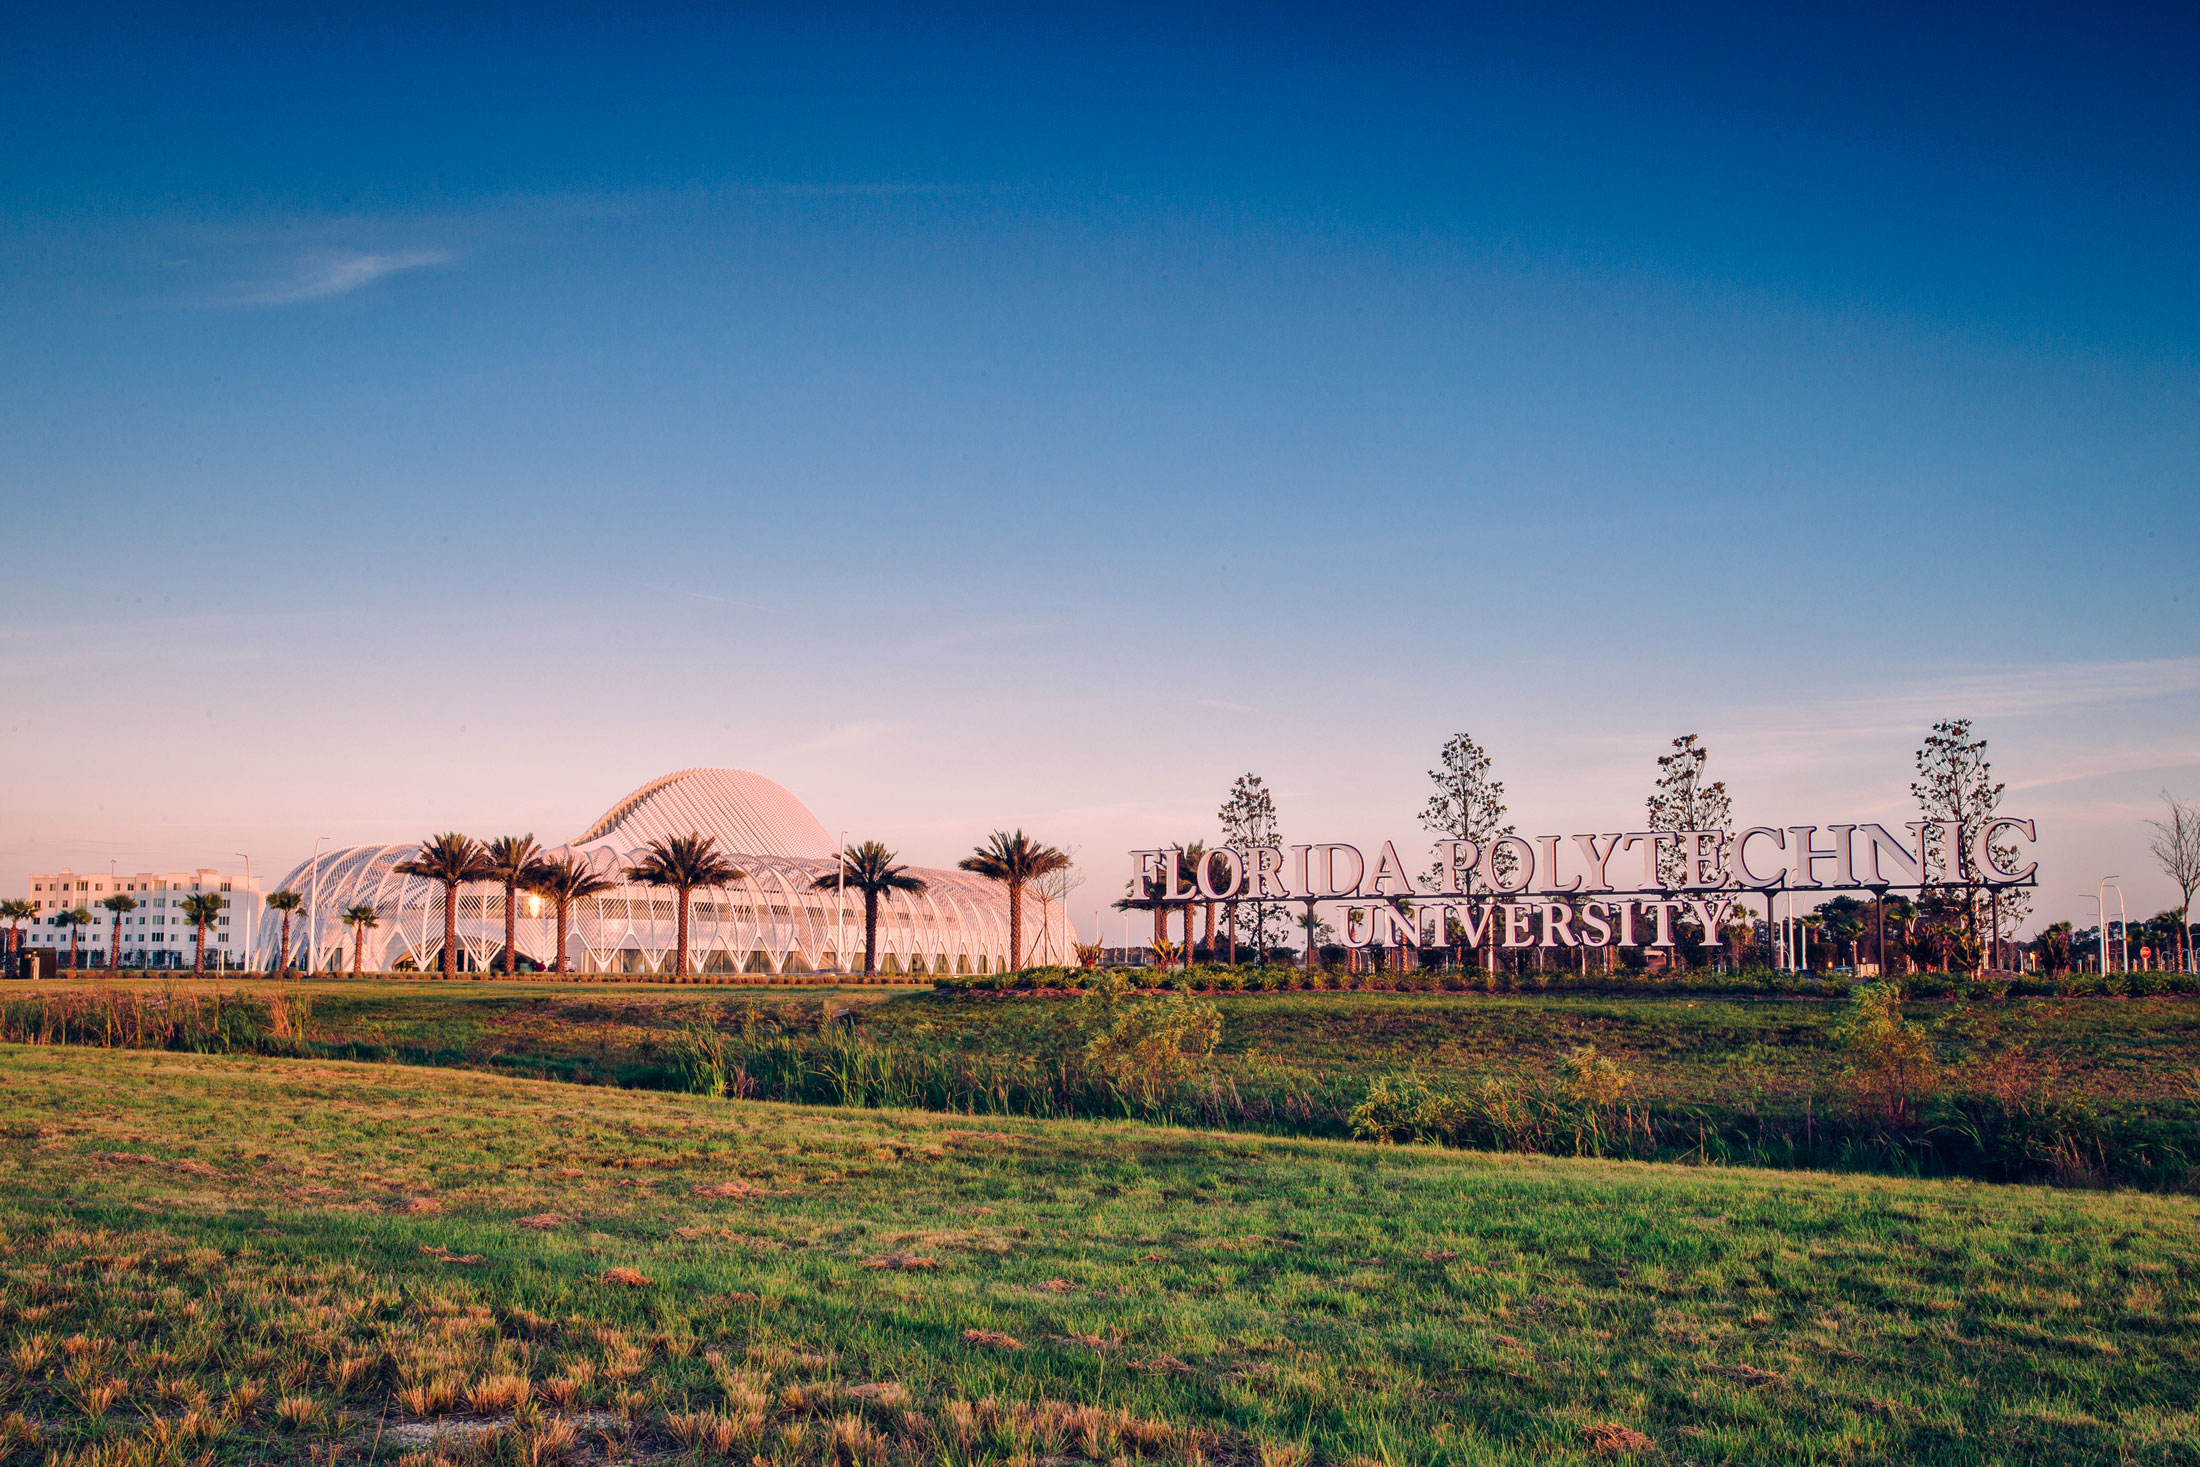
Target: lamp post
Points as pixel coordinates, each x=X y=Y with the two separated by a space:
x=840 y=906
x=313 y=904
x=2100 y=904
x=253 y=926
x=2123 y=925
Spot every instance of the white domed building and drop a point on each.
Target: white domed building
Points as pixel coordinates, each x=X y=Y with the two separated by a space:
x=769 y=921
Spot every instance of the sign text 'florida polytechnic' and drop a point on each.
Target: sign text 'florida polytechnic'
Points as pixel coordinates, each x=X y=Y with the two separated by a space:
x=1618 y=888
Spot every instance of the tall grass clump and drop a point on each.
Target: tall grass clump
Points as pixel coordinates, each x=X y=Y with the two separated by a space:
x=1134 y=1057
x=195 y=1022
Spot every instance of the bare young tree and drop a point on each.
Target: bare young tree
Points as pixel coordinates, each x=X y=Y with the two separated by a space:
x=1248 y=819
x=1467 y=805
x=1683 y=800
x=1955 y=782
x=2176 y=845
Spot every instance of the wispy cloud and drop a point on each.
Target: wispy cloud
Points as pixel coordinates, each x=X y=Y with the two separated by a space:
x=848 y=736
x=320 y=276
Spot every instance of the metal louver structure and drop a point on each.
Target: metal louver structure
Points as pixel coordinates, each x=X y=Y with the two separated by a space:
x=768 y=922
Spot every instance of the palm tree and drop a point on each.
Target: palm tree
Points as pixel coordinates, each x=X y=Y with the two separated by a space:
x=870 y=869
x=286 y=902
x=76 y=919
x=17 y=911
x=1014 y=860
x=1160 y=909
x=1193 y=856
x=116 y=905
x=683 y=862
x=453 y=860
x=359 y=919
x=202 y=908
x=1905 y=913
x=565 y=881
x=512 y=860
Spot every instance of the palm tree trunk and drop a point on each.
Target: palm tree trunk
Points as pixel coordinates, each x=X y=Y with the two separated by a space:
x=198 y=958
x=680 y=958
x=870 y=933
x=75 y=933
x=511 y=918
x=1015 y=926
x=283 y=969
x=562 y=908
x=1210 y=931
x=358 y=949
x=114 y=943
x=450 y=929
x=1160 y=926
x=1230 y=928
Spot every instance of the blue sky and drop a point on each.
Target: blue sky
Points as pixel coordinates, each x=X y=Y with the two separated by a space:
x=973 y=419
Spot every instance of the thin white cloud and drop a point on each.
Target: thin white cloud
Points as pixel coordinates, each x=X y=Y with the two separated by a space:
x=321 y=276
x=848 y=736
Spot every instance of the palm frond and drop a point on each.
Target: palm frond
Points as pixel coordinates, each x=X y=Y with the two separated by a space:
x=567 y=878
x=1013 y=858
x=450 y=858
x=869 y=867
x=684 y=863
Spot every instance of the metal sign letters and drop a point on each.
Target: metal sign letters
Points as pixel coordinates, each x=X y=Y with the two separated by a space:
x=1618 y=888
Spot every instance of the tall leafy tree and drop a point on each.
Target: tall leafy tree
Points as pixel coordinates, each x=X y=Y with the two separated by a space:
x=1467 y=805
x=15 y=911
x=451 y=860
x=511 y=862
x=1015 y=860
x=566 y=879
x=286 y=902
x=1683 y=799
x=2176 y=847
x=360 y=919
x=2053 y=947
x=1955 y=782
x=116 y=905
x=1842 y=919
x=683 y=863
x=202 y=909
x=869 y=868
x=1248 y=819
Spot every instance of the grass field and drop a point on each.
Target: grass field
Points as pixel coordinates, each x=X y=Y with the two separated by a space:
x=1688 y=1050
x=274 y=1258
x=2082 y=1089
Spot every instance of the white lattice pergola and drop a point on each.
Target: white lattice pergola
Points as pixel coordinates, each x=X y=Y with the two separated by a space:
x=769 y=921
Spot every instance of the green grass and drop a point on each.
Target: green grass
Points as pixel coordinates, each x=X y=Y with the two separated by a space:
x=191 y=1227
x=2086 y=1090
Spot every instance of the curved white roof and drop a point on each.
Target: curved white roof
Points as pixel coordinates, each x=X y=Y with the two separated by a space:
x=773 y=918
x=745 y=811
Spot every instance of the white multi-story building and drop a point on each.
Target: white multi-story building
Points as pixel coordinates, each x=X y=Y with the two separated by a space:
x=155 y=934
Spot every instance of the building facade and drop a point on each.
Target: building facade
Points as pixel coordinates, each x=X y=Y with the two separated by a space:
x=152 y=935
x=774 y=919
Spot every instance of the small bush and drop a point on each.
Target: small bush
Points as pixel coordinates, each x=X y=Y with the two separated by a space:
x=1891 y=1067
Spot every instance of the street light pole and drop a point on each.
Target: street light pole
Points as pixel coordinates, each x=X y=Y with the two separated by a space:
x=2123 y=926
x=313 y=902
x=840 y=906
x=2100 y=902
x=252 y=927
